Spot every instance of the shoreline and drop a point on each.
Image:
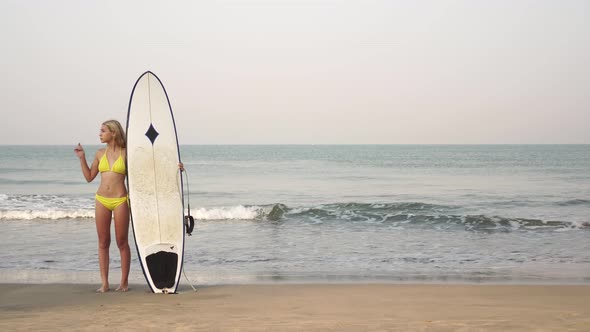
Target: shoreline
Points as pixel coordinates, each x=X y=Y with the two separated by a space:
x=92 y=278
x=322 y=282
x=310 y=307
x=571 y=276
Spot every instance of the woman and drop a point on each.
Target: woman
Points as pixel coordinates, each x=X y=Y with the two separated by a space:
x=111 y=199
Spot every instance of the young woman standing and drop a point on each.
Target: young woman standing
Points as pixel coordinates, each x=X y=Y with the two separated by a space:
x=111 y=199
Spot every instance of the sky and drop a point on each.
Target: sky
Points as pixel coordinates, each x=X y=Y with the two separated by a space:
x=301 y=72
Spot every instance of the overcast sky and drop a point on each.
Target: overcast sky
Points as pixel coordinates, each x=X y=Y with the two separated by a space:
x=301 y=72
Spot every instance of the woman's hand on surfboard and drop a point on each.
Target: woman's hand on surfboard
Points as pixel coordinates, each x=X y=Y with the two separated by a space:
x=79 y=151
x=181 y=167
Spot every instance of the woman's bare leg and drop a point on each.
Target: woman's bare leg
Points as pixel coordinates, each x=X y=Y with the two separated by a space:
x=122 y=235
x=103 y=229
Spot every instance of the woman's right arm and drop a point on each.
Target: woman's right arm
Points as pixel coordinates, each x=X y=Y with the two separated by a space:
x=89 y=172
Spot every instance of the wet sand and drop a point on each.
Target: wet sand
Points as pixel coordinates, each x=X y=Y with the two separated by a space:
x=304 y=307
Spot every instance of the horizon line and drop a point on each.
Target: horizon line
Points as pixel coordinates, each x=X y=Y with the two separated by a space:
x=308 y=144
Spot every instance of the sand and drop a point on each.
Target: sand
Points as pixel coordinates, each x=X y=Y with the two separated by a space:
x=304 y=307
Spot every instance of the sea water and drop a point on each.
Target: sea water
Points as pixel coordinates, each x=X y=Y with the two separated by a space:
x=307 y=213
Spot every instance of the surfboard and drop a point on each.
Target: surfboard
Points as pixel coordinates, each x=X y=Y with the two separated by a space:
x=155 y=184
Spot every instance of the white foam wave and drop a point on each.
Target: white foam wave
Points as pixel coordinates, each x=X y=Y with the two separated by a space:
x=50 y=214
x=239 y=212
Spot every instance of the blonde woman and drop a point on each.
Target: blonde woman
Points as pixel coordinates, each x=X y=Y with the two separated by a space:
x=111 y=199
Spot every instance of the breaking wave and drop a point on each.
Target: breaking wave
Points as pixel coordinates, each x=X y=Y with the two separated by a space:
x=394 y=214
x=401 y=214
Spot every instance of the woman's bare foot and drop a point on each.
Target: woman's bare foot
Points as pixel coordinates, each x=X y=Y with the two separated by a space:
x=123 y=288
x=103 y=289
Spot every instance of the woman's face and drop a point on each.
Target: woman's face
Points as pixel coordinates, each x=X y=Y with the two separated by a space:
x=105 y=134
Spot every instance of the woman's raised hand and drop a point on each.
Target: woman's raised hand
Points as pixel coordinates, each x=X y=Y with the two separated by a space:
x=79 y=151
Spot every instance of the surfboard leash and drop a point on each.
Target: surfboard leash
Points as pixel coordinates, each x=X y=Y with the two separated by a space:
x=188 y=280
x=189 y=221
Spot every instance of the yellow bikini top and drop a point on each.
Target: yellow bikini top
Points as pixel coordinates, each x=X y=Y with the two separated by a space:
x=118 y=165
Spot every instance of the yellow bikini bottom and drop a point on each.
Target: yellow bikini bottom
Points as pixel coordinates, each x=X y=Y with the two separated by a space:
x=110 y=203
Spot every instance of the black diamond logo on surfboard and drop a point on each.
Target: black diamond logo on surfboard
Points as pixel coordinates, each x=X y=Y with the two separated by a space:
x=152 y=134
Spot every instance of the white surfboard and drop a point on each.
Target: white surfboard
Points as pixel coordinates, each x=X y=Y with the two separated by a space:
x=155 y=184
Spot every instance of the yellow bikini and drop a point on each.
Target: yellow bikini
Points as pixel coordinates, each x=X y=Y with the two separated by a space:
x=111 y=203
x=118 y=166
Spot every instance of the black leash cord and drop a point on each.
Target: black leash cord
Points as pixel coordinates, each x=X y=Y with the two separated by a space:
x=189 y=221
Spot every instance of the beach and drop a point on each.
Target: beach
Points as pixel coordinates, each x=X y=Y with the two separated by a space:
x=348 y=165
x=299 y=307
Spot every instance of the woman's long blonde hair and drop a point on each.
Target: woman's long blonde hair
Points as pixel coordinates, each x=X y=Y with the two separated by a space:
x=116 y=128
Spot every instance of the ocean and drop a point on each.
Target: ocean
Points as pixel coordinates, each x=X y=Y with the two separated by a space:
x=323 y=213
